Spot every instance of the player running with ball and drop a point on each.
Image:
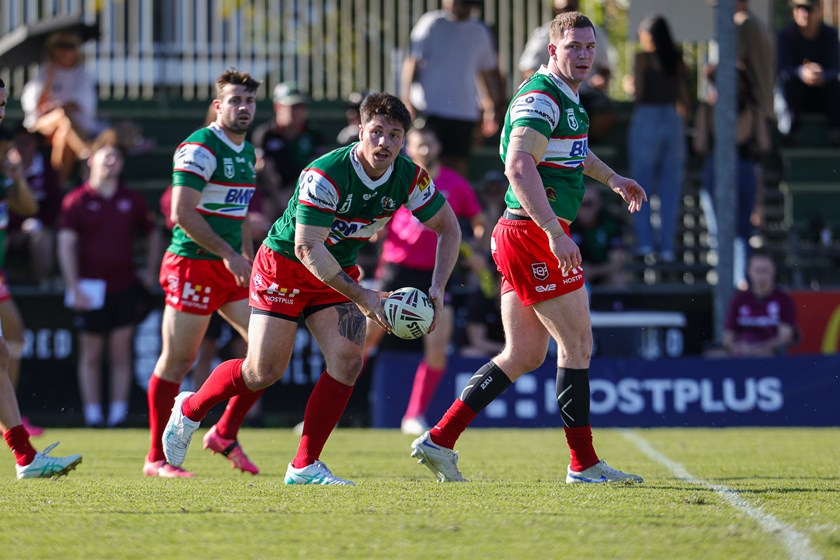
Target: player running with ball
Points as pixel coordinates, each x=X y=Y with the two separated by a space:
x=307 y=268
x=545 y=150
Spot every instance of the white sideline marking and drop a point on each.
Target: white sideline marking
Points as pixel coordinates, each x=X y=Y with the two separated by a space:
x=795 y=542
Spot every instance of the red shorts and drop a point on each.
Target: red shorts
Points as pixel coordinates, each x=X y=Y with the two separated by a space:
x=198 y=286
x=5 y=294
x=285 y=288
x=527 y=265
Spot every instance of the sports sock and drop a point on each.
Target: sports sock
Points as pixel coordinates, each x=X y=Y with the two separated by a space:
x=237 y=408
x=581 y=452
x=487 y=383
x=447 y=431
x=326 y=404
x=426 y=381
x=17 y=439
x=223 y=383
x=160 y=395
x=573 y=399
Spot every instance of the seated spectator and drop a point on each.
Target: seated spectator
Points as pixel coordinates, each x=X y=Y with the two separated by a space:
x=491 y=194
x=809 y=60
x=350 y=133
x=99 y=224
x=31 y=239
x=484 y=335
x=760 y=321
x=60 y=103
x=285 y=145
x=593 y=93
x=598 y=235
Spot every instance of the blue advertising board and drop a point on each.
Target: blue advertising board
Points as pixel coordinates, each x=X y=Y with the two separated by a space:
x=698 y=392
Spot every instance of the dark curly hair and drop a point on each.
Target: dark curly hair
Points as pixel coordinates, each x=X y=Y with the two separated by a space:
x=386 y=105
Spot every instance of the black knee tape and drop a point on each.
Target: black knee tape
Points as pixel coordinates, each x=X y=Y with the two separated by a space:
x=573 y=396
x=485 y=385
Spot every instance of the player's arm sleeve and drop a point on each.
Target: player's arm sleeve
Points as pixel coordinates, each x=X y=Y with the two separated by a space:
x=537 y=110
x=193 y=165
x=424 y=200
x=318 y=196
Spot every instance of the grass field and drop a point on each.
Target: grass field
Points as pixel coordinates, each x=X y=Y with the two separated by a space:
x=708 y=493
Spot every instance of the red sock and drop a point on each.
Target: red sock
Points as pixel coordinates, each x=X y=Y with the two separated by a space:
x=237 y=408
x=453 y=424
x=580 y=447
x=323 y=411
x=426 y=381
x=17 y=439
x=160 y=395
x=224 y=382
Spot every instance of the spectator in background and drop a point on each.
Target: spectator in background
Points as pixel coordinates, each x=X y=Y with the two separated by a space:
x=350 y=133
x=598 y=235
x=656 y=147
x=60 y=102
x=285 y=146
x=408 y=259
x=756 y=57
x=33 y=237
x=484 y=333
x=760 y=321
x=809 y=60
x=98 y=227
x=753 y=140
x=16 y=196
x=593 y=93
x=452 y=54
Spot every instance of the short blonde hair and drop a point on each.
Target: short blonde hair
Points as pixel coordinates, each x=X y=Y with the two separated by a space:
x=565 y=22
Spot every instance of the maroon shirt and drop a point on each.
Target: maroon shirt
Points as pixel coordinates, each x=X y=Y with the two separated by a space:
x=754 y=319
x=106 y=230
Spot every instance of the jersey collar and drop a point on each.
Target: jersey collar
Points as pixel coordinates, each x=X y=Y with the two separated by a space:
x=363 y=177
x=217 y=130
x=561 y=85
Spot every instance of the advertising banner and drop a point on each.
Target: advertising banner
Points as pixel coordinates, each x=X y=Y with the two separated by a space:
x=787 y=391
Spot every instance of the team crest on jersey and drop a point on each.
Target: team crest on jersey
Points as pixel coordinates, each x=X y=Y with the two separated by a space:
x=571 y=119
x=540 y=270
x=389 y=204
x=551 y=194
x=230 y=172
x=346 y=206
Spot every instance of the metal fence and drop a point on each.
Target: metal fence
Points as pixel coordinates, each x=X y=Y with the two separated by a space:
x=330 y=47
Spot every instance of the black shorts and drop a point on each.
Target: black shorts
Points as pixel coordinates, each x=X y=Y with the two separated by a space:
x=395 y=276
x=456 y=136
x=126 y=307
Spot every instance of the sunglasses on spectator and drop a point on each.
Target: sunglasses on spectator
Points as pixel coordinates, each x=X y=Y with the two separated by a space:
x=807 y=7
x=66 y=45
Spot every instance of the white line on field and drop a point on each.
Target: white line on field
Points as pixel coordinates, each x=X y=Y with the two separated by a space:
x=795 y=542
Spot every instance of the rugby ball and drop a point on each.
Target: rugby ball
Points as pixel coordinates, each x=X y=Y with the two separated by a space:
x=410 y=313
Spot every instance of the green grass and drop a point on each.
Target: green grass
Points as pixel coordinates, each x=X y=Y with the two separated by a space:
x=517 y=505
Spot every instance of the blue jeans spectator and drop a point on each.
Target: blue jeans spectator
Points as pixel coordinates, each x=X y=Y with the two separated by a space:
x=657 y=161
